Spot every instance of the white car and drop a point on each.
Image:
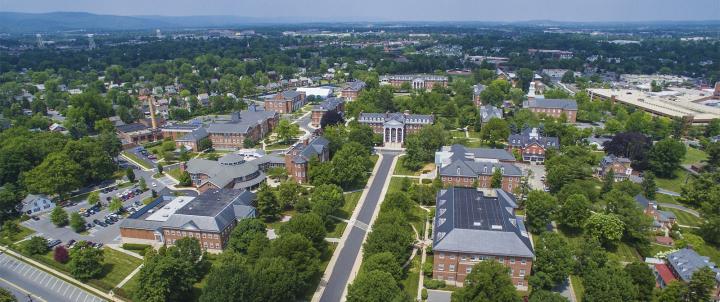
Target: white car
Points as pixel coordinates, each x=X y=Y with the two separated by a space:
x=154 y=184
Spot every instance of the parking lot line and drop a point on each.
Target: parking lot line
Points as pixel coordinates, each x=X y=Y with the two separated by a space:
x=54 y=284
x=32 y=276
x=25 y=269
x=66 y=289
x=72 y=293
x=44 y=277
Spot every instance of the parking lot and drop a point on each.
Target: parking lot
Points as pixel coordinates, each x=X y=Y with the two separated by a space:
x=110 y=233
x=42 y=286
x=537 y=172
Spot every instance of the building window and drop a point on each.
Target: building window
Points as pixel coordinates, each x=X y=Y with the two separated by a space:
x=520 y=283
x=522 y=273
x=512 y=272
x=468 y=269
x=442 y=256
x=463 y=258
x=512 y=260
x=452 y=256
x=452 y=267
x=441 y=267
x=523 y=261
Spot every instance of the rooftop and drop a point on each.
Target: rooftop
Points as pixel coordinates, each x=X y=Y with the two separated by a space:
x=674 y=103
x=686 y=261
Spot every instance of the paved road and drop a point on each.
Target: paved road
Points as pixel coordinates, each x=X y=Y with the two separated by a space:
x=668 y=192
x=346 y=260
x=15 y=273
x=679 y=207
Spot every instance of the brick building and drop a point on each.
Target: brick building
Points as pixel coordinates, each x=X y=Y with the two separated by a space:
x=395 y=126
x=232 y=171
x=531 y=144
x=416 y=81
x=662 y=220
x=252 y=124
x=473 y=225
x=209 y=217
x=685 y=262
x=553 y=107
x=134 y=134
x=469 y=173
x=352 y=90
x=619 y=165
x=336 y=105
x=298 y=158
x=285 y=102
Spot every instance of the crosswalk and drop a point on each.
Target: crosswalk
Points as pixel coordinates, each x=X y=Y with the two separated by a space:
x=29 y=277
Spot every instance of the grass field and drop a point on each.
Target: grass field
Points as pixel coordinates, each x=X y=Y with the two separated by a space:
x=662 y=198
x=351 y=200
x=694 y=156
x=674 y=184
x=175 y=173
x=24 y=232
x=657 y=248
x=401 y=170
x=412 y=277
x=685 y=218
x=622 y=253
x=337 y=230
x=578 y=287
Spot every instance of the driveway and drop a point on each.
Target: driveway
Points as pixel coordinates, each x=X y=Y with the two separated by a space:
x=350 y=251
x=536 y=173
x=21 y=278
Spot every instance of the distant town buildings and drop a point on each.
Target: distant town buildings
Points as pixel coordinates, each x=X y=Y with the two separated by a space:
x=532 y=145
x=419 y=81
x=553 y=53
x=473 y=225
x=395 y=126
x=209 y=217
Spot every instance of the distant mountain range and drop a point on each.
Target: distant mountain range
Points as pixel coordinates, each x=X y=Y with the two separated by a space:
x=64 y=21
x=13 y=22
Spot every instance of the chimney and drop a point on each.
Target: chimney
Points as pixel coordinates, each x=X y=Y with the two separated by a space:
x=407 y=112
x=151 y=104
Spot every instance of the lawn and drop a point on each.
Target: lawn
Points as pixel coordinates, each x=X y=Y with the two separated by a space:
x=396 y=184
x=694 y=156
x=625 y=253
x=175 y=173
x=127 y=289
x=412 y=277
x=578 y=287
x=457 y=134
x=24 y=232
x=401 y=170
x=351 y=200
x=674 y=184
x=685 y=218
x=657 y=248
x=337 y=230
x=662 y=198
x=137 y=160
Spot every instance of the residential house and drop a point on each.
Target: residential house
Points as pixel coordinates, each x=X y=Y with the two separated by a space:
x=298 y=158
x=619 y=165
x=553 y=107
x=685 y=262
x=532 y=145
x=662 y=220
x=210 y=218
x=473 y=225
x=336 y=105
x=395 y=126
x=488 y=112
x=477 y=90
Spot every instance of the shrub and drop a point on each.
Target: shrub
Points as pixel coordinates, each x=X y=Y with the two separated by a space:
x=427 y=269
x=140 y=248
x=434 y=284
x=36 y=246
x=61 y=254
x=424 y=294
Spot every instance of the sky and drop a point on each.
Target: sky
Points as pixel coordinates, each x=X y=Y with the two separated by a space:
x=393 y=10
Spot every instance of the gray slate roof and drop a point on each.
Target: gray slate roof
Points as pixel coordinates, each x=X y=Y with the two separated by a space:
x=488 y=112
x=529 y=136
x=355 y=86
x=468 y=221
x=396 y=117
x=567 y=104
x=221 y=172
x=686 y=261
x=134 y=127
x=328 y=104
x=473 y=169
x=314 y=148
x=241 y=122
x=194 y=135
x=461 y=152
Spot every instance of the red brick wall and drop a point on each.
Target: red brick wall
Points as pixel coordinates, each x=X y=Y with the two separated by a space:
x=508 y=183
x=453 y=266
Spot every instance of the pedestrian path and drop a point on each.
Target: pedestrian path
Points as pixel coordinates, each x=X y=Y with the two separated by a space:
x=40 y=283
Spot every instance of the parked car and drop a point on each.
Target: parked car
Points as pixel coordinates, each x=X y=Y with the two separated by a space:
x=102 y=224
x=89 y=225
x=53 y=243
x=35 y=218
x=70 y=243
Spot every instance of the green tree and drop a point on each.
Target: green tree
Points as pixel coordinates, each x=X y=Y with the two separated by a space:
x=86 y=262
x=665 y=157
x=231 y=280
x=389 y=237
x=608 y=284
x=643 y=278
x=374 y=286
x=608 y=181
x=159 y=168
x=57 y=173
x=130 y=174
x=568 y=77
x=77 y=222
x=539 y=208
x=385 y=262
x=243 y=234
x=675 y=291
x=546 y=296
x=350 y=164
x=276 y=279
x=553 y=259
x=36 y=246
x=288 y=193
x=326 y=199
x=495 y=130
x=10 y=228
x=287 y=131
x=574 y=211
x=6 y=296
x=164 y=278
x=488 y=281
x=649 y=186
x=204 y=144
x=636 y=225
x=267 y=203
x=310 y=226
x=59 y=217
x=701 y=285
x=115 y=205
x=496 y=180
x=93 y=198
x=185 y=179
x=608 y=228
x=420 y=147
x=301 y=254
x=142 y=184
